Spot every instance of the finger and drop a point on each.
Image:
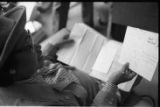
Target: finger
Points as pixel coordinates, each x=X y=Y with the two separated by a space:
x=66 y=36
x=131 y=75
x=64 y=42
x=125 y=67
x=130 y=71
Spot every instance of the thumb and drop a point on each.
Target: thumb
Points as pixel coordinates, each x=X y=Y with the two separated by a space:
x=132 y=74
x=125 y=67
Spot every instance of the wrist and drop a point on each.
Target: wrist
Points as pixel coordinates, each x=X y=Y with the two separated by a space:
x=110 y=86
x=113 y=81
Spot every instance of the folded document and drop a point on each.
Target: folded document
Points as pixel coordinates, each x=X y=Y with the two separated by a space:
x=96 y=55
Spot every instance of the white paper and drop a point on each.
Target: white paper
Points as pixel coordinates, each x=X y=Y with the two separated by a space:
x=96 y=47
x=93 y=54
x=140 y=49
x=65 y=54
x=84 y=52
x=105 y=57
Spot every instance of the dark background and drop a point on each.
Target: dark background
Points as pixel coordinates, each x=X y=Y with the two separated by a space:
x=142 y=15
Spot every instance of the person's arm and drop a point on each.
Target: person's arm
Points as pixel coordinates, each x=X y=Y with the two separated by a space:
x=53 y=49
x=107 y=96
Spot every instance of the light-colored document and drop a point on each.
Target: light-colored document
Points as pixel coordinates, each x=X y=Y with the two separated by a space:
x=92 y=53
x=84 y=52
x=65 y=54
x=140 y=49
x=84 y=49
x=105 y=57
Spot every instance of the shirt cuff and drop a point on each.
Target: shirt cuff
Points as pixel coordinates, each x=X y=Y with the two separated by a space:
x=110 y=87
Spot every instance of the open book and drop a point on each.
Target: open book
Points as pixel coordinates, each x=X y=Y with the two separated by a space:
x=94 y=54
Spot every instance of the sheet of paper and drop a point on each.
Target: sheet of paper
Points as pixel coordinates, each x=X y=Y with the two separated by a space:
x=87 y=67
x=140 y=49
x=105 y=57
x=85 y=50
x=65 y=54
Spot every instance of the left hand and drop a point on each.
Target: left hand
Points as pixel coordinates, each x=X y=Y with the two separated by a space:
x=122 y=75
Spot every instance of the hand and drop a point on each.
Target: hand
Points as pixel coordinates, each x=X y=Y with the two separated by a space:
x=54 y=48
x=62 y=38
x=64 y=43
x=122 y=75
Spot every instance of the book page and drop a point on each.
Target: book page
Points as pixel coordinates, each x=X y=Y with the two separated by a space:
x=140 y=49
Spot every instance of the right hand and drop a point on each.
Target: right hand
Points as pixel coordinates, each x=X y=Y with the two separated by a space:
x=122 y=75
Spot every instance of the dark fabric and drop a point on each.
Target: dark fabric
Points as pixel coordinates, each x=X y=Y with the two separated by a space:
x=79 y=92
x=6 y=26
x=87 y=13
x=11 y=25
x=17 y=14
x=35 y=91
x=63 y=79
x=63 y=14
x=89 y=83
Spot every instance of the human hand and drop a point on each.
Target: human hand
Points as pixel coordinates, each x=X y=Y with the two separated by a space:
x=122 y=75
x=62 y=38
x=57 y=41
x=64 y=43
